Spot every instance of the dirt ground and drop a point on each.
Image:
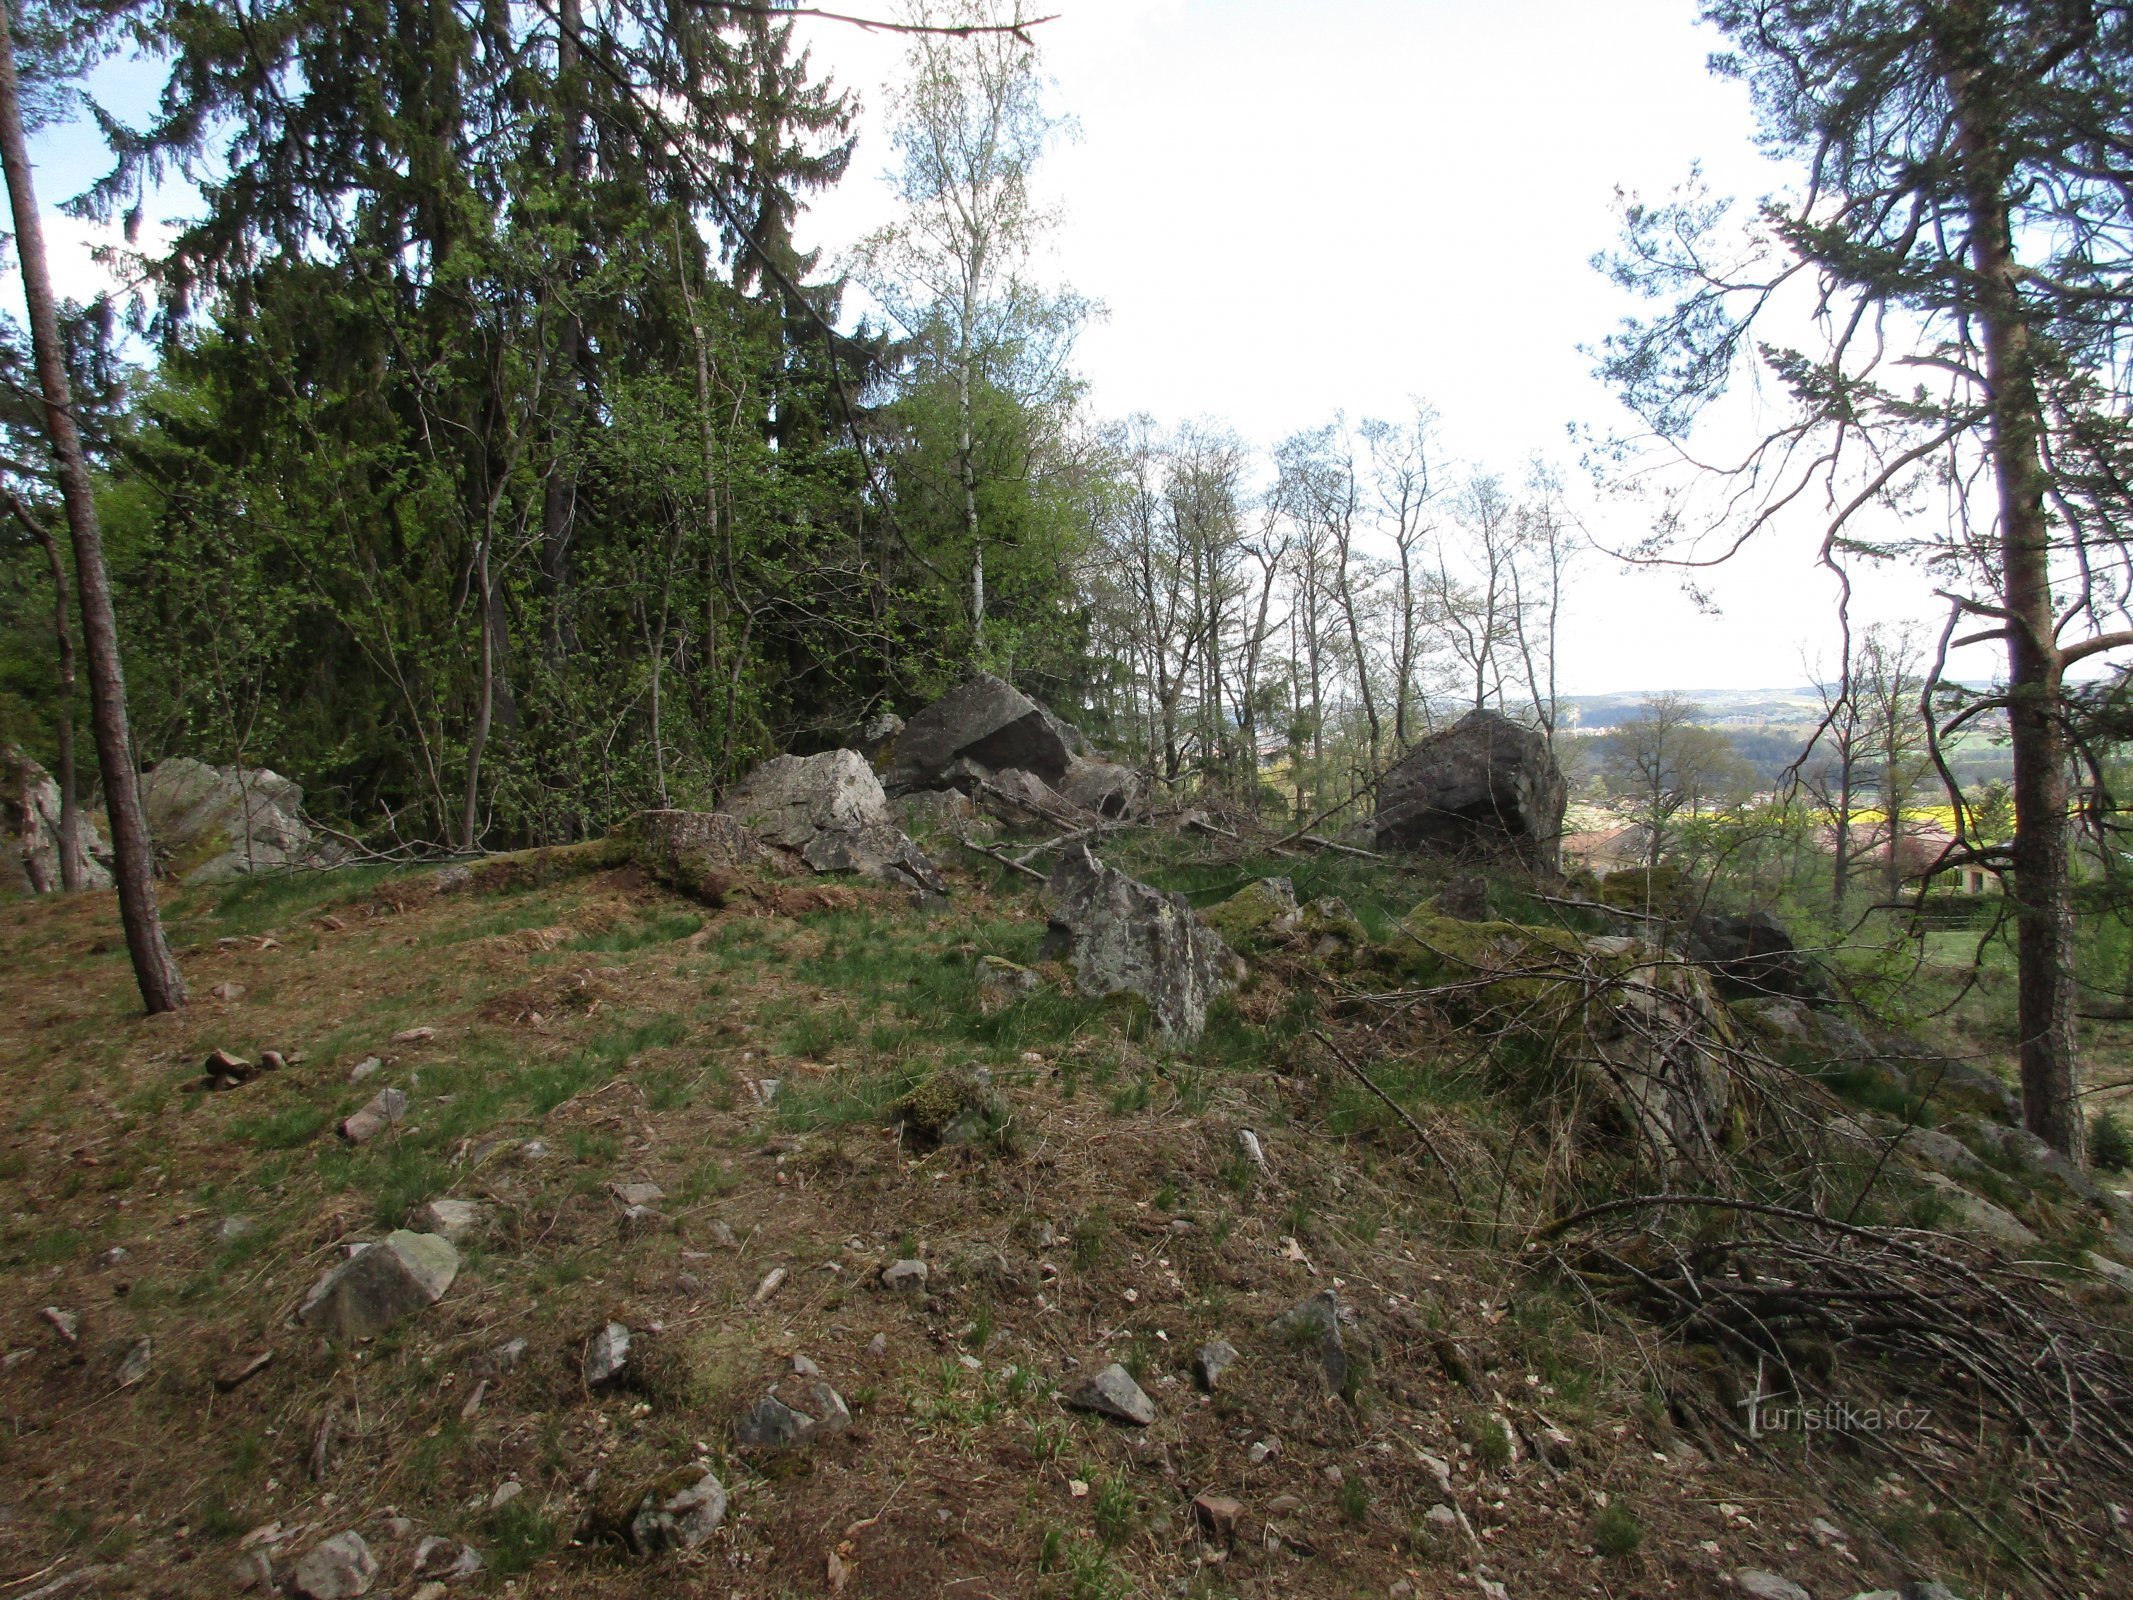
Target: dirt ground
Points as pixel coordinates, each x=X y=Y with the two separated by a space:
x=600 y=1031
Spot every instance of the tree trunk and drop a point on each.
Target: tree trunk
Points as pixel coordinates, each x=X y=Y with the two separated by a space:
x=133 y=856
x=2044 y=914
x=484 y=711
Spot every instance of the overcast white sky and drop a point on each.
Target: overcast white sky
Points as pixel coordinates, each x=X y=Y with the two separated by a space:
x=1292 y=208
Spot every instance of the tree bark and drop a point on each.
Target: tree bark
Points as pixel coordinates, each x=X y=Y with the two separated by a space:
x=2044 y=914
x=133 y=857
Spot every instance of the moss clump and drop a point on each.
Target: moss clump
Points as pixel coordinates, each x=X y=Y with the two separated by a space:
x=955 y=1105
x=1258 y=915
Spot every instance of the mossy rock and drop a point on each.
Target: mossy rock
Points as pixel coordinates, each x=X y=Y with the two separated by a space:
x=524 y=869
x=1261 y=914
x=956 y=1105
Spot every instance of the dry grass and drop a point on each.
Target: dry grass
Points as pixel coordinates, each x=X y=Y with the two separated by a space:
x=623 y=1028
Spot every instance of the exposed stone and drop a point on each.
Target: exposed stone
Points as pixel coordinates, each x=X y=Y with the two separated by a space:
x=29 y=823
x=937 y=812
x=1313 y=1326
x=339 y=1568
x=680 y=1512
x=1263 y=912
x=1108 y=789
x=66 y=1324
x=380 y=1284
x=830 y=811
x=438 y=1557
x=1014 y=797
x=365 y=1068
x=215 y=823
x=1974 y=1214
x=1760 y=1585
x=1113 y=1393
x=138 y=1360
x=607 y=1358
x=1217 y=1513
x=455 y=1219
x=1751 y=956
x=986 y=721
x=697 y=852
x=501 y=1359
x=1123 y=936
x=1008 y=977
x=383 y=1110
x=954 y=1105
x=1213 y=1359
x=772 y=1424
x=1464 y=898
x=637 y=1194
x=904 y=1275
x=1484 y=786
x=1656 y=1038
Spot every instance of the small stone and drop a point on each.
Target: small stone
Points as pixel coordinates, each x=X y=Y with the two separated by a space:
x=438 y=1557
x=454 y=1219
x=1218 y=1513
x=1554 y=1446
x=381 y=1283
x=1313 y=1325
x=804 y=1368
x=365 y=1068
x=138 y=1360
x=502 y=1358
x=689 y=1284
x=385 y=1109
x=66 y=1324
x=1264 y=1451
x=272 y=1061
x=878 y=1346
x=1826 y=1532
x=114 y=1257
x=1248 y=1142
x=771 y=1423
x=904 y=1275
x=472 y=1406
x=340 y=1568
x=1213 y=1359
x=1113 y=1393
x=534 y=1150
x=773 y=1281
x=678 y=1515
x=227 y=991
x=722 y=1236
x=637 y=1194
x=1331 y=1474
x=1761 y=1585
x=832 y=1416
x=230 y=1229
x=1439 y=1469
x=638 y=1221
x=414 y=1036
x=608 y=1356
x=506 y=1492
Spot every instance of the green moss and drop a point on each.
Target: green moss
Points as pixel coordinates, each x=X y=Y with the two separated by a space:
x=1260 y=914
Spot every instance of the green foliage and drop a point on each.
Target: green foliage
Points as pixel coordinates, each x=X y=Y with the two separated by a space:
x=2110 y=1144
x=1616 y=1532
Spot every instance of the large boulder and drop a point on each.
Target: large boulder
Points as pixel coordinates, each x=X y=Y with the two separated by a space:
x=1123 y=936
x=830 y=811
x=29 y=823
x=696 y=852
x=1751 y=957
x=215 y=823
x=1484 y=787
x=1110 y=789
x=983 y=719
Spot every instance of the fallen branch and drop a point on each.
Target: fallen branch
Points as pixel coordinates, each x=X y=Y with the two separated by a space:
x=1002 y=857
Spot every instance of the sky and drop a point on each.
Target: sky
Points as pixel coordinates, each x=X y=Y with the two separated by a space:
x=1292 y=209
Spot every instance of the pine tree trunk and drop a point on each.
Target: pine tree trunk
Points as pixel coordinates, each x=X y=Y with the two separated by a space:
x=133 y=857
x=2044 y=914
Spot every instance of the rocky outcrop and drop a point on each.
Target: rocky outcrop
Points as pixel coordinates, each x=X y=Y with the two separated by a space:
x=1751 y=956
x=829 y=811
x=1006 y=751
x=215 y=823
x=29 y=825
x=697 y=852
x=1124 y=937
x=1484 y=787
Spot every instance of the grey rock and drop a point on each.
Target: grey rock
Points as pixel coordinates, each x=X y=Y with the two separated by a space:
x=693 y=851
x=1464 y=898
x=637 y=1194
x=1974 y=1214
x=339 y=1568
x=384 y=1109
x=2114 y=1272
x=506 y=1492
x=230 y=1229
x=832 y=1415
x=454 y=1219
x=678 y=1514
x=1943 y=1152
x=65 y=1323
x=904 y=1275
x=1484 y=786
x=1113 y=1393
x=830 y=811
x=640 y=1220
x=876 y=734
x=1013 y=796
x=772 y=1424
x=1005 y=976
x=1761 y=1585
x=945 y=813
x=987 y=722
x=367 y=1067
x=1107 y=789
x=29 y=822
x=216 y=823
x=437 y=1557
x=381 y=1283
x=802 y=1367
x=1213 y=1359
x=1751 y=956
x=607 y=1358
x=1123 y=936
x=138 y=1360
x=1313 y=1327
